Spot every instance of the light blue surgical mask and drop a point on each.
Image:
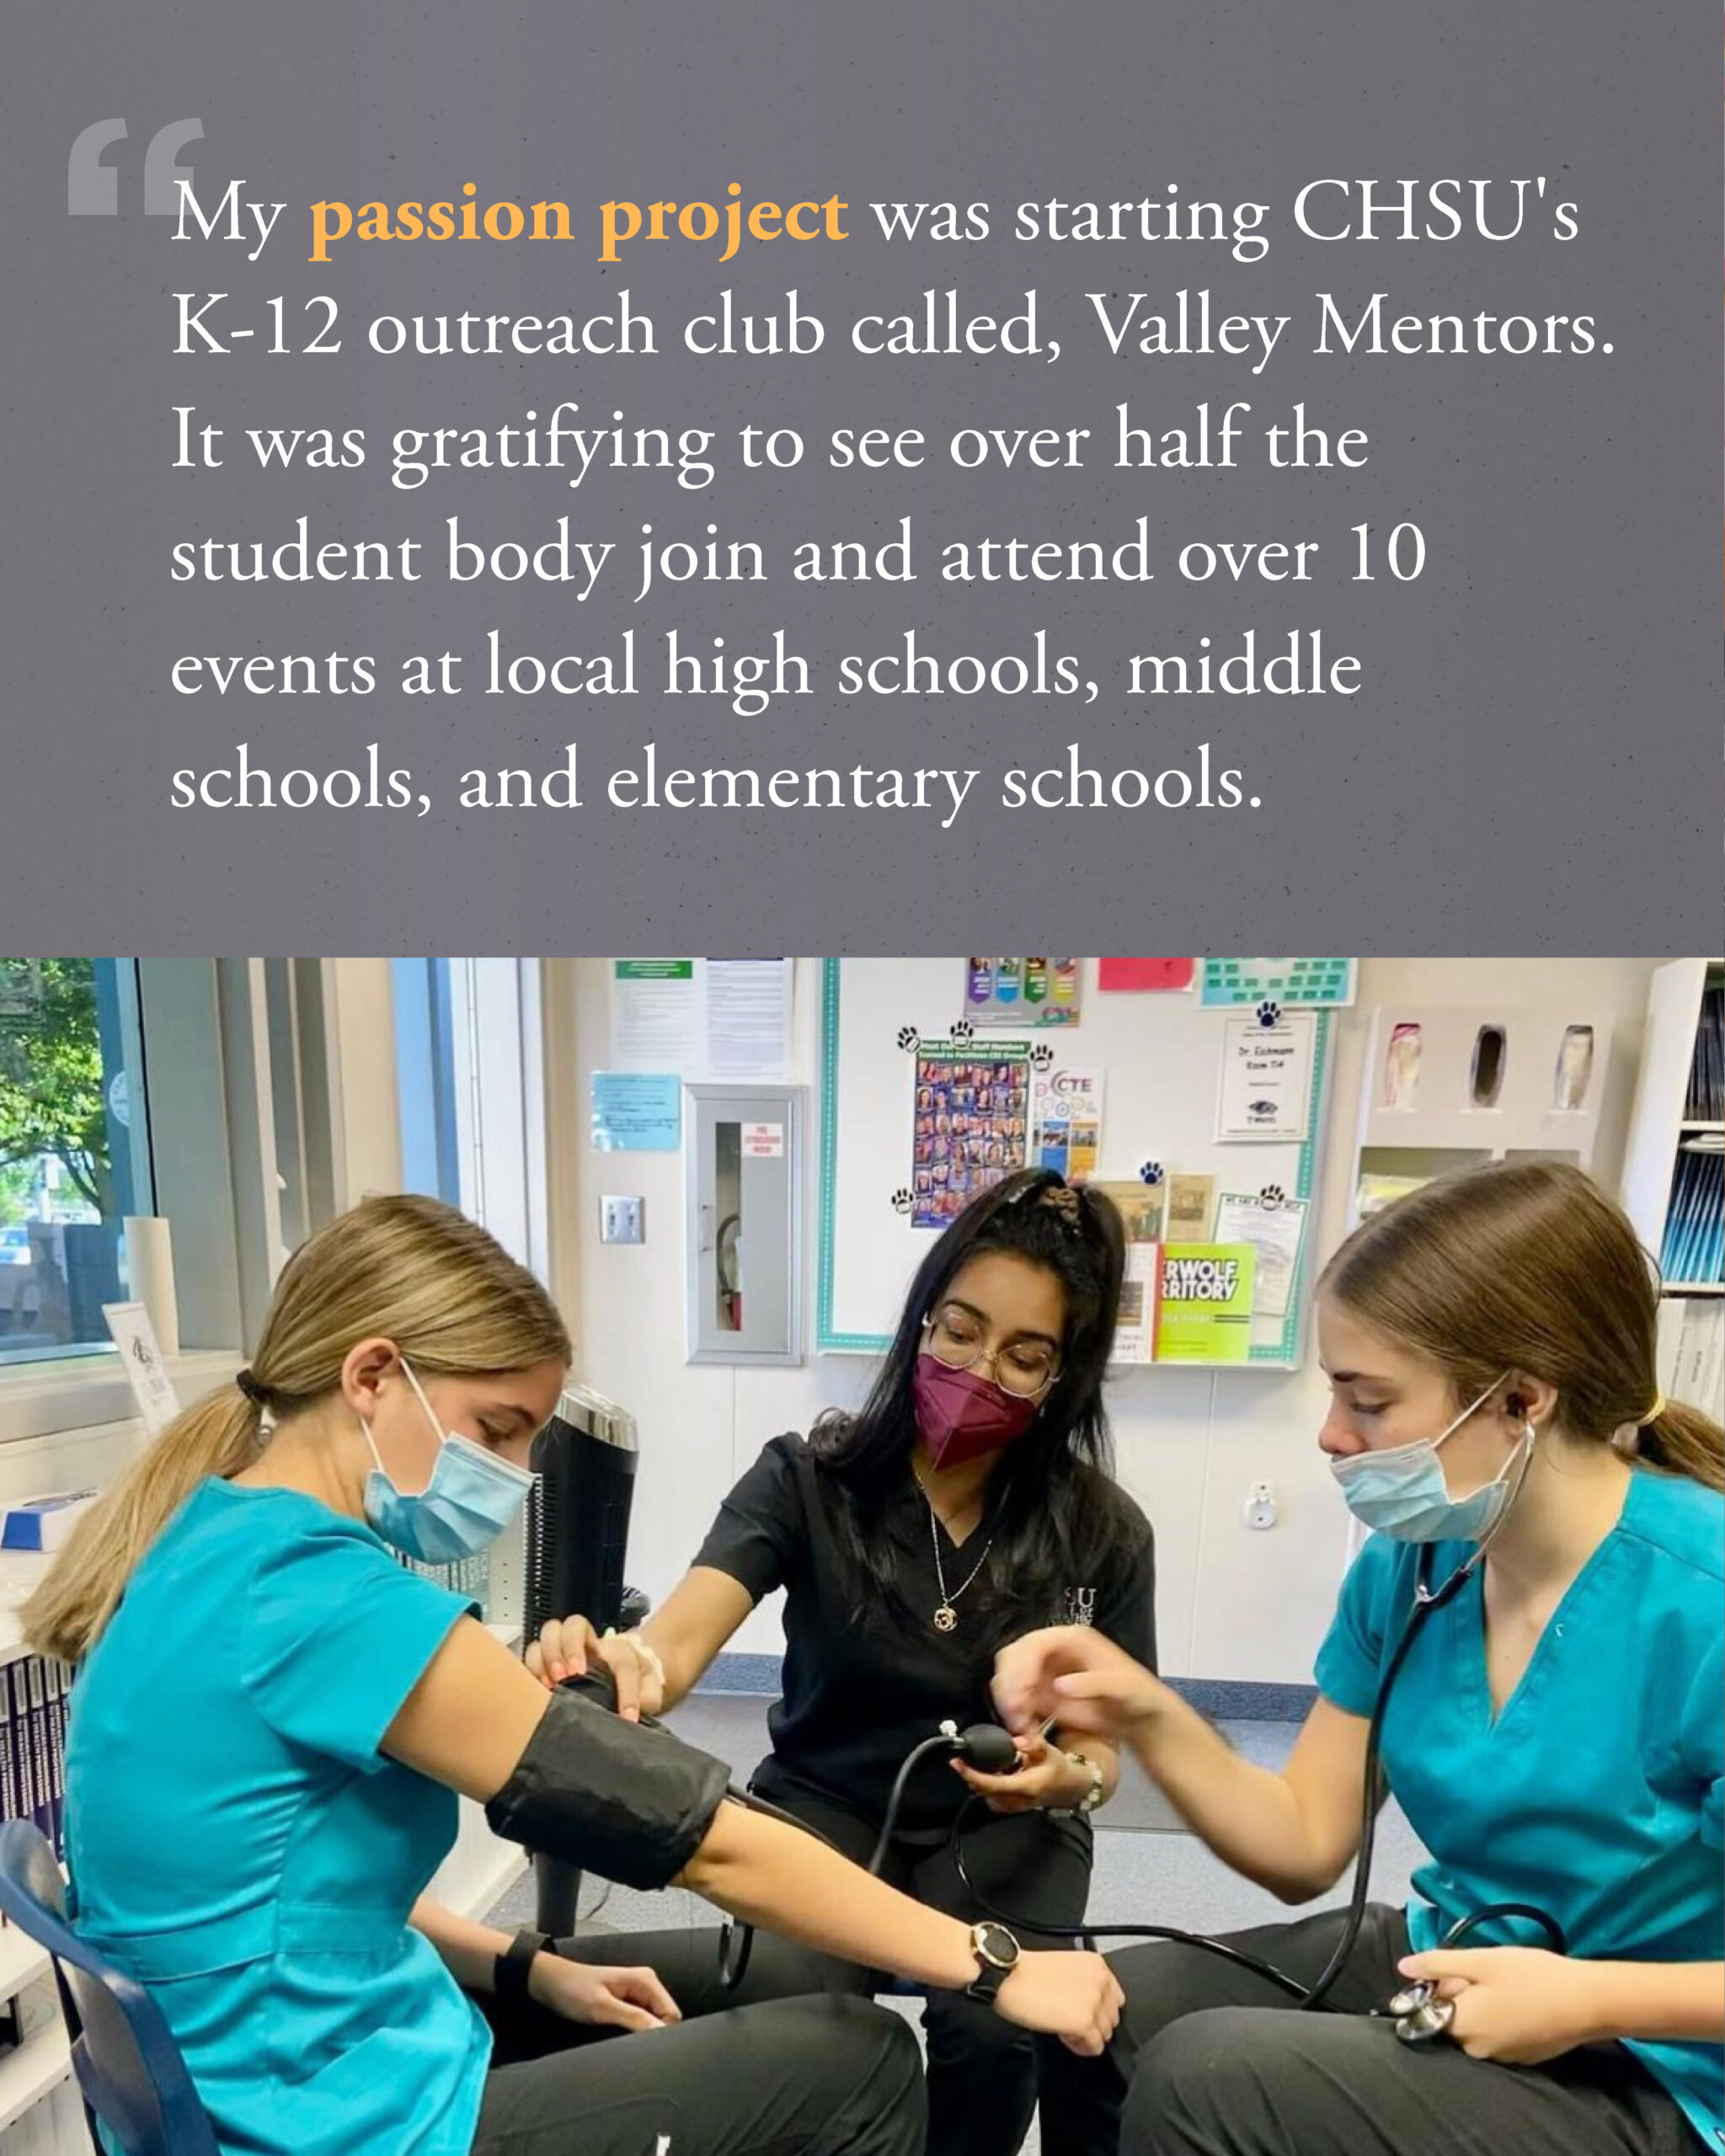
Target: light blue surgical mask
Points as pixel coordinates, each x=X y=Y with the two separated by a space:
x=471 y=1496
x=1401 y=1491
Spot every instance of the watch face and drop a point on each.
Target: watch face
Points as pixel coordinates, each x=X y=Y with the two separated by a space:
x=996 y=1944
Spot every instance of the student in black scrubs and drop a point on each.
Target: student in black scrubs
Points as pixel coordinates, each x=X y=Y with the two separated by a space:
x=969 y=1502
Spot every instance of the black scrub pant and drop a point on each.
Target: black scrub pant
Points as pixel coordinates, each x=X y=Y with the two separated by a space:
x=982 y=2071
x=1211 y=2060
x=758 y=2071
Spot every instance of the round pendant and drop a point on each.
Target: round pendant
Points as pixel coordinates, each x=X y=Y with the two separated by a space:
x=946 y=1618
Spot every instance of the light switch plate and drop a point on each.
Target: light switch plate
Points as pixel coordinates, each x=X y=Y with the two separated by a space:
x=621 y=1220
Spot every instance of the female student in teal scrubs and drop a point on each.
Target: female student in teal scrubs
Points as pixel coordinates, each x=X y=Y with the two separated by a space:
x=1556 y=1736
x=272 y=1718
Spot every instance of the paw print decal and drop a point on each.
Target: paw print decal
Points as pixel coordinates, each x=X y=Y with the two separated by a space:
x=1041 y=1055
x=909 y=1038
x=964 y=1031
x=1151 y=1172
x=1268 y=1014
x=902 y=1200
x=1272 y=1194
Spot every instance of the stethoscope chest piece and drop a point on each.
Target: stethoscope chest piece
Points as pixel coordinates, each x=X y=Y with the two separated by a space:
x=1420 y=2018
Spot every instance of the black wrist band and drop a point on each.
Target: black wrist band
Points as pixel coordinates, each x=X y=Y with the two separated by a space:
x=510 y=1973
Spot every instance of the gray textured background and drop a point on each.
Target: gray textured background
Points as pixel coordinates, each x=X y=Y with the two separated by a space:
x=1534 y=763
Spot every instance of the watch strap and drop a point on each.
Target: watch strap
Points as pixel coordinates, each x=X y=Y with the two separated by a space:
x=985 y=1986
x=510 y=1973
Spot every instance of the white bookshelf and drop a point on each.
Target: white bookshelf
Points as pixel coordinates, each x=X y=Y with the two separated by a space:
x=1657 y=1125
x=41 y=2111
x=21 y=1961
x=39 y=2066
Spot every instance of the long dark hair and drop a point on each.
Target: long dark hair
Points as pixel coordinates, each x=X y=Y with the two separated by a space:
x=1060 y=1519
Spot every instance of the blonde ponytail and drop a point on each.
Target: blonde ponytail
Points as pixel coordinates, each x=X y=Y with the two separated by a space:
x=66 y=1615
x=407 y=1269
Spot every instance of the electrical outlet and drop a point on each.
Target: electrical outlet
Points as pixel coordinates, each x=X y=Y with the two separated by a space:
x=621 y=1220
x=1261 y=1505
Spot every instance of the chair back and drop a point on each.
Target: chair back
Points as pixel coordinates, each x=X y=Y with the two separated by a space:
x=134 y=2081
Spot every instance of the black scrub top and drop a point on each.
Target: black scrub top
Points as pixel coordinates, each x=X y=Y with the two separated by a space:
x=859 y=1693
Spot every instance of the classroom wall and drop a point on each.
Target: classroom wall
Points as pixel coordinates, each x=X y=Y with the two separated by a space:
x=369 y=1101
x=1234 y=1604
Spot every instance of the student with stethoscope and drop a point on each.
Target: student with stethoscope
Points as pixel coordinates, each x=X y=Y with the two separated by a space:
x=967 y=1500
x=1556 y=1734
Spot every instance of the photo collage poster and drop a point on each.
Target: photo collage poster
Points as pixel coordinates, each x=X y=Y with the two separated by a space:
x=970 y=1126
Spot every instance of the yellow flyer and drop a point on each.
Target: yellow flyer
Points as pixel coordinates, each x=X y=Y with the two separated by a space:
x=1202 y=1303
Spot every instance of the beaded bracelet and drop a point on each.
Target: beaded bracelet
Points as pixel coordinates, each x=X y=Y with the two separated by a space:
x=1092 y=1797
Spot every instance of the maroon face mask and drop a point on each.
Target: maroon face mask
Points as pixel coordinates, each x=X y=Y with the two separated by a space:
x=961 y=1415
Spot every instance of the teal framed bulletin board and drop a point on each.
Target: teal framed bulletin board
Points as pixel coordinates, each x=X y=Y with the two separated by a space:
x=1161 y=1058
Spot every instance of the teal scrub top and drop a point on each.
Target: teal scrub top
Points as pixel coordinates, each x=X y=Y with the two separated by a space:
x=1597 y=1793
x=238 y=1842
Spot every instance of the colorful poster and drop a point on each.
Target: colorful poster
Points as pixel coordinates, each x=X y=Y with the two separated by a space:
x=1274 y=1230
x=1268 y=1063
x=1204 y=1303
x=1296 y=984
x=1141 y=976
x=970 y=1125
x=1067 y=1113
x=1028 y=994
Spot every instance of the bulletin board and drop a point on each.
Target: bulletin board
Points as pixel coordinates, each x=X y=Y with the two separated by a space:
x=1162 y=1054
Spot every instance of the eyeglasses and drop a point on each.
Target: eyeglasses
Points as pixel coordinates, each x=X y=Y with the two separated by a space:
x=1024 y=1368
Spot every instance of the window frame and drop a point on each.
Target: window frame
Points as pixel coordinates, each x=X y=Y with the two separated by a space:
x=241 y=1073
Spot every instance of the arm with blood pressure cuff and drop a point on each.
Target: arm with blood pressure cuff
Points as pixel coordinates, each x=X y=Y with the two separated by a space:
x=640 y=1828
x=634 y=1803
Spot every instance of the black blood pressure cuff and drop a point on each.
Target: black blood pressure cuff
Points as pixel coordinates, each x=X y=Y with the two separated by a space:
x=633 y=1804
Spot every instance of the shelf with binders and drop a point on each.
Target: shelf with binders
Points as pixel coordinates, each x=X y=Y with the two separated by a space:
x=1692 y=1251
x=1674 y=1176
x=1673 y=1172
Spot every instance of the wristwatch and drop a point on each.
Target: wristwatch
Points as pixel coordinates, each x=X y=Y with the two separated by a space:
x=509 y=1976
x=996 y=1953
